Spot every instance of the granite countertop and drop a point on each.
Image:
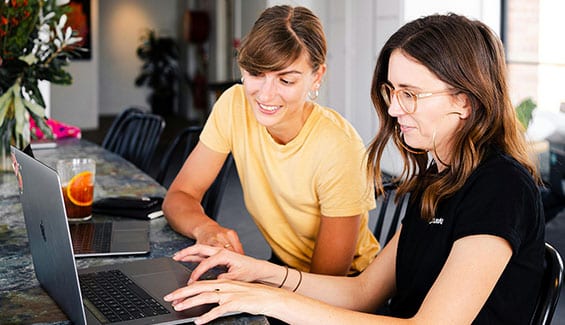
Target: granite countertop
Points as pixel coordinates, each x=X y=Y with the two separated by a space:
x=22 y=300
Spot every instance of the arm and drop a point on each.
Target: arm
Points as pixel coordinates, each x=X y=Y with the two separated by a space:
x=463 y=286
x=335 y=245
x=182 y=206
x=465 y=282
x=328 y=301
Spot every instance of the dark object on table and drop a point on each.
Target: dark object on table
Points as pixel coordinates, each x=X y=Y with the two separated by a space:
x=129 y=206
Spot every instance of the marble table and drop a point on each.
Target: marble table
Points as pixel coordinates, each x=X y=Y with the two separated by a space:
x=22 y=300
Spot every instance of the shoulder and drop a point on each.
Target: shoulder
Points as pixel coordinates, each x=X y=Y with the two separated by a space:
x=501 y=170
x=232 y=108
x=332 y=125
x=500 y=198
x=232 y=97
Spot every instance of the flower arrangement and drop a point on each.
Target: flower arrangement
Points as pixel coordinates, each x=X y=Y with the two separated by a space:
x=35 y=44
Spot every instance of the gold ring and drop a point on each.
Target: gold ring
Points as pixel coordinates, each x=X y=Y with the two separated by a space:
x=227 y=245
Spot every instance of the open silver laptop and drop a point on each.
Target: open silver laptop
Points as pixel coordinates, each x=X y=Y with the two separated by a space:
x=91 y=238
x=75 y=291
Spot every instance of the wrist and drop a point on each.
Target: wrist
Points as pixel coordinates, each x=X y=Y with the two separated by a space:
x=272 y=274
x=200 y=231
x=281 y=277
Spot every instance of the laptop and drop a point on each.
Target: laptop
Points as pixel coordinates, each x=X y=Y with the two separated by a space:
x=77 y=292
x=90 y=238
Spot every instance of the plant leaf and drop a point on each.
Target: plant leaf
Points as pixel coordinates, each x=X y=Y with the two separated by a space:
x=34 y=108
x=19 y=110
x=5 y=102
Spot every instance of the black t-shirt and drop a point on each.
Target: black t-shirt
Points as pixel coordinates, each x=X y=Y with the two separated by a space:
x=500 y=198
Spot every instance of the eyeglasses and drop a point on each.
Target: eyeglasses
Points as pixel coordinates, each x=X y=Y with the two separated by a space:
x=408 y=100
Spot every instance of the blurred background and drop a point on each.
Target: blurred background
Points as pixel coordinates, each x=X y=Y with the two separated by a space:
x=207 y=33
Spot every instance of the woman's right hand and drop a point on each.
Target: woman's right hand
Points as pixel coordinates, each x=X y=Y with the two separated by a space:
x=212 y=234
x=240 y=267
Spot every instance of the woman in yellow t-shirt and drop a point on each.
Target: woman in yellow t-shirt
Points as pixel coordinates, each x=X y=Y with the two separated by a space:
x=301 y=165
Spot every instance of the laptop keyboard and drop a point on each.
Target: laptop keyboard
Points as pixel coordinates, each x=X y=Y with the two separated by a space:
x=93 y=237
x=117 y=297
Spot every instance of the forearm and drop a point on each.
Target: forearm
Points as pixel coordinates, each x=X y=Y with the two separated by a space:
x=305 y=310
x=341 y=291
x=365 y=292
x=185 y=214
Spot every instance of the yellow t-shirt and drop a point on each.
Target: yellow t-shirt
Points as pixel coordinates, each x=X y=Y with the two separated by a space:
x=287 y=188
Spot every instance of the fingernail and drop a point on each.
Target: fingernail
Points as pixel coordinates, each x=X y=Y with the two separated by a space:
x=167 y=298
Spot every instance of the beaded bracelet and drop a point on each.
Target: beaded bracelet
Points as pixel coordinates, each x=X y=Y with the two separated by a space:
x=299 y=281
x=285 y=276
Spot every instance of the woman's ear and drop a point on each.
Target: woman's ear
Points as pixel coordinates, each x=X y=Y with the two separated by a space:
x=463 y=106
x=319 y=74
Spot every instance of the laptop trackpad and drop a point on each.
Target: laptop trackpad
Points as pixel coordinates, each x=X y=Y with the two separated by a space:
x=163 y=278
x=130 y=236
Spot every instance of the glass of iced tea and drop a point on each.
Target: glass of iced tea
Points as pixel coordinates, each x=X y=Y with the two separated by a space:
x=77 y=180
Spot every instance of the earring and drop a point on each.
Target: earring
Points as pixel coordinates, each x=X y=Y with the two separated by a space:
x=434 y=137
x=404 y=145
x=313 y=96
x=242 y=79
x=435 y=149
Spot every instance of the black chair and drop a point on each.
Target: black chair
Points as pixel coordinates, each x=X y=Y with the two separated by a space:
x=176 y=153
x=390 y=211
x=174 y=158
x=136 y=138
x=111 y=136
x=550 y=287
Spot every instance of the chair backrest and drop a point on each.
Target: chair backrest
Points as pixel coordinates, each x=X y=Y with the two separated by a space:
x=137 y=137
x=173 y=159
x=390 y=212
x=213 y=197
x=111 y=136
x=550 y=287
x=176 y=154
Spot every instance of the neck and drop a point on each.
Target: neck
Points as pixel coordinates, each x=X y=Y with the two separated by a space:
x=284 y=133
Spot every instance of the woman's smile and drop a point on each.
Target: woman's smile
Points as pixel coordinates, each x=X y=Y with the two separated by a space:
x=268 y=109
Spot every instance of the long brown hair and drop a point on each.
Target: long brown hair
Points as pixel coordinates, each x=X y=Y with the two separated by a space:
x=468 y=56
x=280 y=36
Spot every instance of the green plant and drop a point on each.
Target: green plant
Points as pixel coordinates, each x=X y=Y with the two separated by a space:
x=35 y=44
x=160 y=70
x=525 y=110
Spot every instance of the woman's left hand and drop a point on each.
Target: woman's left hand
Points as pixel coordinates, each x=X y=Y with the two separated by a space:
x=231 y=297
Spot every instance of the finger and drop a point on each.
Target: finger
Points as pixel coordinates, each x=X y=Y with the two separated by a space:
x=198 y=250
x=205 y=265
x=213 y=313
x=208 y=297
x=191 y=290
x=236 y=245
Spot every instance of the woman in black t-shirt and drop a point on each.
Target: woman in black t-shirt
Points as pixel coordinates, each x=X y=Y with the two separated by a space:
x=470 y=248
